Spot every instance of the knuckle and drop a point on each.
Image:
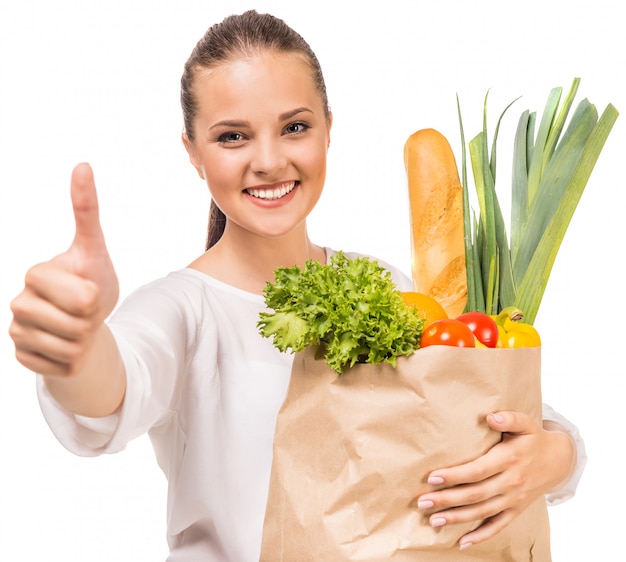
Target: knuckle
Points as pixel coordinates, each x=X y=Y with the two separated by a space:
x=473 y=495
x=23 y=358
x=34 y=275
x=81 y=329
x=18 y=307
x=31 y=276
x=72 y=354
x=86 y=299
x=15 y=332
x=518 y=480
x=478 y=472
x=65 y=364
x=523 y=495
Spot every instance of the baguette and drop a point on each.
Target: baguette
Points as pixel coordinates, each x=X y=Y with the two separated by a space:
x=436 y=218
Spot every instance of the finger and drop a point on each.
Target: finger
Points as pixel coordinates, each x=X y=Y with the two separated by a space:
x=511 y=422
x=478 y=470
x=89 y=236
x=461 y=495
x=490 y=528
x=468 y=497
x=479 y=504
x=46 y=353
x=39 y=364
x=490 y=463
x=53 y=282
x=39 y=314
x=88 y=255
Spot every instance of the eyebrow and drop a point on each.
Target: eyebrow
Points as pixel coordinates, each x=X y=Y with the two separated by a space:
x=293 y=113
x=244 y=123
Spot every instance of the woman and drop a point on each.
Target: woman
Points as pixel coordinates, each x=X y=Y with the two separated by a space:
x=182 y=358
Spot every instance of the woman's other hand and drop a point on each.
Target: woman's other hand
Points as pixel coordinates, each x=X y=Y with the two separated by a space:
x=529 y=462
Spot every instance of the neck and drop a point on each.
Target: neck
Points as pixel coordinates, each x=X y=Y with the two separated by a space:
x=249 y=263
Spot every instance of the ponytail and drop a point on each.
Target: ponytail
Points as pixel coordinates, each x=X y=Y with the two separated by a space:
x=217 y=223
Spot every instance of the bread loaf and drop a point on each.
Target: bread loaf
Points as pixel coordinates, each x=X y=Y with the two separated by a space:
x=436 y=215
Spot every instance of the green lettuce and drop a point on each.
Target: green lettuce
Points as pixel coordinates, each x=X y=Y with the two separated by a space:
x=351 y=308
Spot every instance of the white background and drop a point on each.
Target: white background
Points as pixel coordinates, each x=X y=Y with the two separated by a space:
x=98 y=81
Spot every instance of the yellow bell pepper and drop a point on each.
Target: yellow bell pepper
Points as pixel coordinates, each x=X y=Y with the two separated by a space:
x=512 y=332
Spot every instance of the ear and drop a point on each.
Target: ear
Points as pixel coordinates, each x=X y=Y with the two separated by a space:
x=329 y=125
x=192 y=155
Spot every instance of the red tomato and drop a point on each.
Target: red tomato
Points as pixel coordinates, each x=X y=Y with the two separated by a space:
x=482 y=326
x=448 y=331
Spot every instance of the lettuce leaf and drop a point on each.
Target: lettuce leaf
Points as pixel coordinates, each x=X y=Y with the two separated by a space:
x=349 y=307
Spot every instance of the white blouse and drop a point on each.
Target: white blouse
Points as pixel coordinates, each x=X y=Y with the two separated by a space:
x=206 y=387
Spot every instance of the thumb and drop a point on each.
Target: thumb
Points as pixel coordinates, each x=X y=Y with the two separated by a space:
x=88 y=256
x=511 y=422
x=89 y=236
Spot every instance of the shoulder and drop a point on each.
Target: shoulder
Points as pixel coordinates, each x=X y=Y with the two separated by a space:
x=177 y=296
x=402 y=281
x=176 y=286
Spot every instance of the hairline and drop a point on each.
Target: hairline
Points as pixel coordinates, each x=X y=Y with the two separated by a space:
x=250 y=53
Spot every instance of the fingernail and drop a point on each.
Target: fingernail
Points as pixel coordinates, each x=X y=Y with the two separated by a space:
x=497 y=418
x=425 y=504
x=435 y=480
x=438 y=522
x=465 y=545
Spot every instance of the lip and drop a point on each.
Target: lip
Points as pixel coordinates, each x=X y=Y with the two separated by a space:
x=271 y=193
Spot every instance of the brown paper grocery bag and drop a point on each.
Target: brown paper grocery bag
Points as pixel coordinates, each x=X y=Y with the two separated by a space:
x=351 y=453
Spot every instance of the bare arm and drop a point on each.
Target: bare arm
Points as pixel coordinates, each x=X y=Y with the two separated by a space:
x=98 y=390
x=58 y=319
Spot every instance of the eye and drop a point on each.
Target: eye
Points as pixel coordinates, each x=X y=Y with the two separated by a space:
x=230 y=138
x=296 y=128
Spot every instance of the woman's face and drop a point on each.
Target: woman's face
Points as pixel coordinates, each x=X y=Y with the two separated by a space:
x=261 y=137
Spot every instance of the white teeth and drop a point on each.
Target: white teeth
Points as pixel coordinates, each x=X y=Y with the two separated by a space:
x=275 y=193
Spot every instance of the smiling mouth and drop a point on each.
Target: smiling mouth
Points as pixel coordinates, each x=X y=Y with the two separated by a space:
x=272 y=193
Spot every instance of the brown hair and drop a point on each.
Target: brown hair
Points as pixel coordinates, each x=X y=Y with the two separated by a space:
x=237 y=36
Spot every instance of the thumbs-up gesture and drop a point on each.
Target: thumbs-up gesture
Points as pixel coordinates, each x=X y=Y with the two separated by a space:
x=65 y=301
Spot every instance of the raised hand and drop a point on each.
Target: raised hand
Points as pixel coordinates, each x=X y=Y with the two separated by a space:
x=66 y=300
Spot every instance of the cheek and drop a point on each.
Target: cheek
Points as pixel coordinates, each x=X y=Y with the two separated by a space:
x=313 y=160
x=221 y=171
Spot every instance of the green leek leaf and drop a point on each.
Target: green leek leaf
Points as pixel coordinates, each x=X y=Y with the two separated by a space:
x=519 y=194
x=537 y=162
x=484 y=191
x=535 y=279
x=550 y=173
x=475 y=300
x=558 y=173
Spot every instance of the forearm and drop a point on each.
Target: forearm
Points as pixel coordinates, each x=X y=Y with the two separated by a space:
x=564 y=453
x=98 y=388
x=567 y=489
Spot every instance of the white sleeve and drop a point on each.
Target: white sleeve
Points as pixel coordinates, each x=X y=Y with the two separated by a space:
x=151 y=331
x=569 y=489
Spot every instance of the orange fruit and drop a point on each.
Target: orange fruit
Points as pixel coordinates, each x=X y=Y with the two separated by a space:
x=427 y=307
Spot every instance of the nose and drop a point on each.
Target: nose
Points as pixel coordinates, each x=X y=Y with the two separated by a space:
x=268 y=157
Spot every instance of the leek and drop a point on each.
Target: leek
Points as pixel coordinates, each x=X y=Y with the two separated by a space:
x=510 y=265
